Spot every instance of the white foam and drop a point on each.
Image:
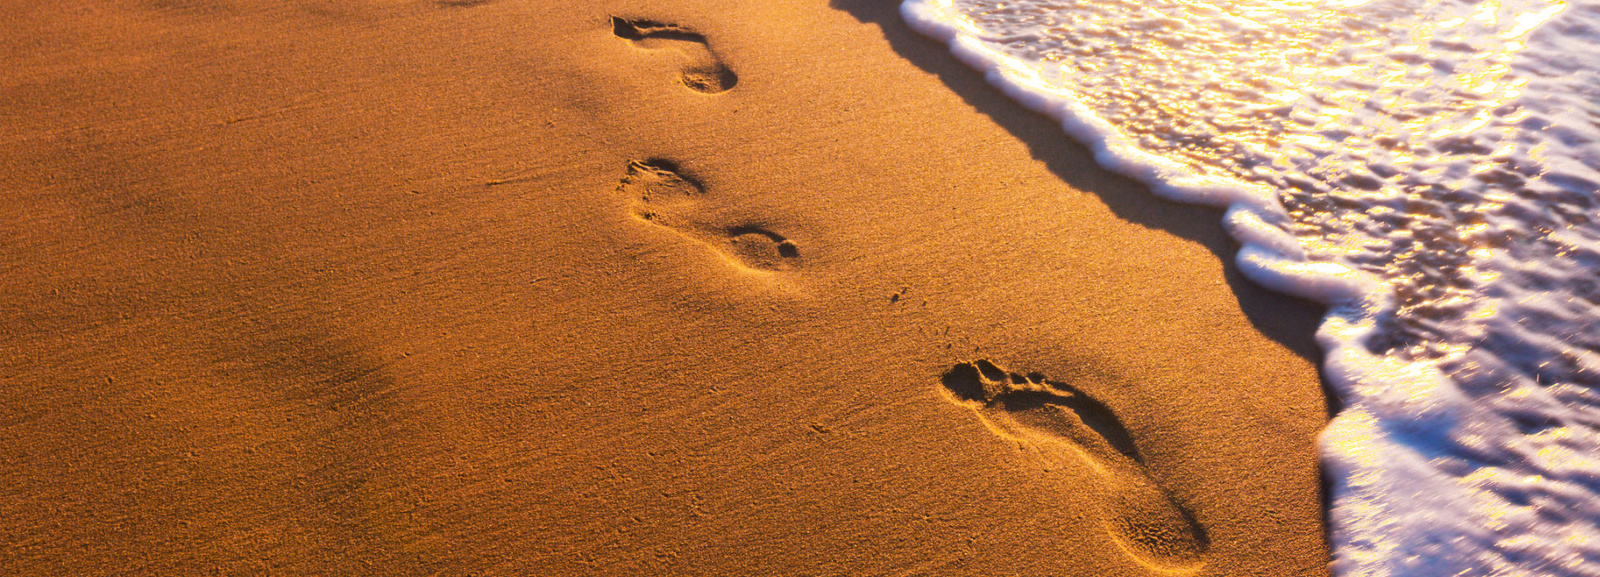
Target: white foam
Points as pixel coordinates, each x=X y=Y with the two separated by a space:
x=1425 y=145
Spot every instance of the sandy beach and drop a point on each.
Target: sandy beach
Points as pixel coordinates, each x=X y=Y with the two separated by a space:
x=498 y=287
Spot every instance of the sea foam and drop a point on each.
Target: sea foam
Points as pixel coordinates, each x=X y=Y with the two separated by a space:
x=1426 y=168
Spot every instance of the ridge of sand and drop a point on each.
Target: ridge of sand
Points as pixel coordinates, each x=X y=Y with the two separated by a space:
x=364 y=287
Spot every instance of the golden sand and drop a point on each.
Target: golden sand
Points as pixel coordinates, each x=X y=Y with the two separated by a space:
x=629 y=288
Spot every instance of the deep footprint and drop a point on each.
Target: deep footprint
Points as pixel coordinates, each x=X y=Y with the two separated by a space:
x=661 y=193
x=705 y=71
x=1063 y=422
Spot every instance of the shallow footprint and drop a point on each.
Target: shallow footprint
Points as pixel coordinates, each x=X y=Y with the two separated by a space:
x=705 y=71
x=661 y=193
x=761 y=248
x=1066 y=423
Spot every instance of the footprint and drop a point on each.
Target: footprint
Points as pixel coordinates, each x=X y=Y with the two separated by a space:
x=661 y=194
x=705 y=72
x=1064 y=423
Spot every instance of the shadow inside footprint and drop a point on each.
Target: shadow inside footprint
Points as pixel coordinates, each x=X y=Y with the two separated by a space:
x=661 y=193
x=705 y=71
x=658 y=184
x=1063 y=422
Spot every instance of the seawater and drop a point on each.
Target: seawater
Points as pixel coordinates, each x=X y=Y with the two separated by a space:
x=1429 y=169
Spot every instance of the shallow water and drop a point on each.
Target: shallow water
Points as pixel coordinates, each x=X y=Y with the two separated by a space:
x=1427 y=168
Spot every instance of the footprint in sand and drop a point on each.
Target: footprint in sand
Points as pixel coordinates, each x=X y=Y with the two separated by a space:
x=705 y=71
x=661 y=194
x=1064 y=423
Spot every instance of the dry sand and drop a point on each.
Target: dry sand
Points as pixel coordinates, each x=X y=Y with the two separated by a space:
x=510 y=287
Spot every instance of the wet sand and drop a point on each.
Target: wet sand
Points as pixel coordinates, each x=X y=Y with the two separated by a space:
x=629 y=288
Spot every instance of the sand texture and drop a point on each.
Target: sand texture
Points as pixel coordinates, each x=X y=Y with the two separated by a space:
x=423 y=287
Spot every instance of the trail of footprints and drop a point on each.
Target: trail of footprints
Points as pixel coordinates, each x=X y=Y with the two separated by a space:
x=661 y=194
x=1061 y=421
x=1066 y=424
x=705 y=72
